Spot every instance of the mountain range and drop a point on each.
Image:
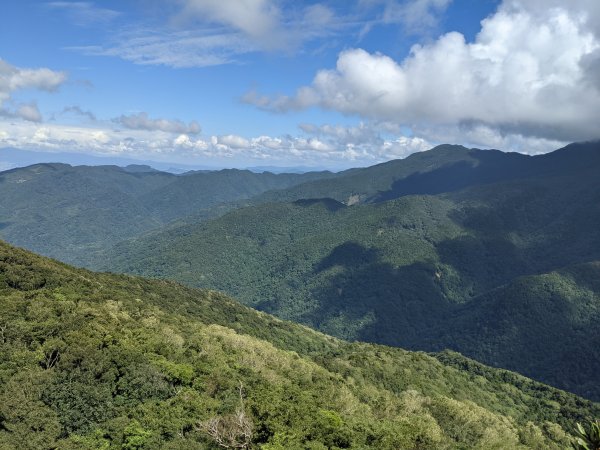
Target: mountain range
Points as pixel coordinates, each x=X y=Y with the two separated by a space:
x=494 y=255
x=431 y=252
x=72 y=212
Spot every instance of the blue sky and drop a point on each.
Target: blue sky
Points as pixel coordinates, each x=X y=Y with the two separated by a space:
x=275 y=82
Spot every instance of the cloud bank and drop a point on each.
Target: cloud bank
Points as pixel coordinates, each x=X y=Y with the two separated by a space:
x=531 y=71
x=326 y=145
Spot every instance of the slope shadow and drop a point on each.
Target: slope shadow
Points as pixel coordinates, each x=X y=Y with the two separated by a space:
x=370 y=300
x=487 y=167
x=525 y=228
x=330 y=204
x=482 y=263
x=533 y=327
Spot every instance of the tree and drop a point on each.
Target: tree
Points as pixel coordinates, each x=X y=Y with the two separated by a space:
x=231 y=430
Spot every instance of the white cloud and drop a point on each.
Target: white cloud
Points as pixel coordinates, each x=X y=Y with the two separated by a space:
x=415 y=16
x=24 y=111
x=13 y=79
x=319 y=15
x=531 y=71
x=205 y=33
x=272 y=143
x=233 y=141
x=316 y=145
x=183 y=140
x=258 y=19
x=84 y=13
x=178 y=49
x=29 y=111
x=77 y=110
x=370 y=143
x=142 y=121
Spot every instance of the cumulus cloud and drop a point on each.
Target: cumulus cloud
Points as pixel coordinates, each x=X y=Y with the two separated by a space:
x=142 y=121
x=13 y=79
x=368 y=142
x=24 y=111
x=29 y=111
x=329 y=145
x=532 y=71
x=259 y=19
x=322 y=145
x=233 y=141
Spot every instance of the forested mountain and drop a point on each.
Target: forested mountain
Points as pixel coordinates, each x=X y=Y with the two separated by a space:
x=424 y=260
x=201 y=190
x=445 y=168
x=113 y=361
x=72 y=212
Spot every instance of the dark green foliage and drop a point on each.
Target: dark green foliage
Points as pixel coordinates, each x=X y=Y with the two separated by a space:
x=111 y=361
x=424 y=272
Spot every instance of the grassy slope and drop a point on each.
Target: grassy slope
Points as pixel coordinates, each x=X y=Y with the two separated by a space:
x=105 y=361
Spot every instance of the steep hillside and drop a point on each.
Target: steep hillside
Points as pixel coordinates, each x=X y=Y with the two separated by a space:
x=106 y=361
x=395 y=271
x=544 y=326
x=71 y=213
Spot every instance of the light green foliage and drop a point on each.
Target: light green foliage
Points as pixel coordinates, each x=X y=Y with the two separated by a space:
x=135 y=437
x=142 y=364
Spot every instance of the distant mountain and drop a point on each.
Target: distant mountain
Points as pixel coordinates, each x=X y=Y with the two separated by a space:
x=139 y=168
x=367 y=184
x=71 y=213
x=445 y=168
x=201 y=190
x=428 y=256
x=93 y=360
x=283 y=169
x=12 y=158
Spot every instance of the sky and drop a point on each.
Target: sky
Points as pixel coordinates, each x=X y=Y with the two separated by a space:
x=336 y=84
